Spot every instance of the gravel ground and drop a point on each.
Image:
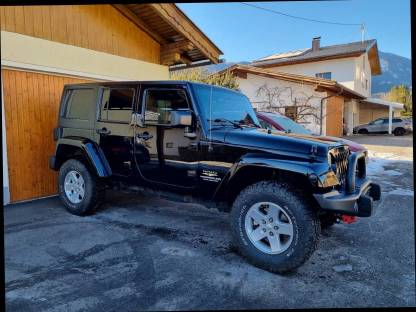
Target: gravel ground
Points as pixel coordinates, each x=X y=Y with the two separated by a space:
x=141 y=252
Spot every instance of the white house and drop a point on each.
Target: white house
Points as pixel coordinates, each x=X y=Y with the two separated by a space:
x=352 y=65
x=314 y=102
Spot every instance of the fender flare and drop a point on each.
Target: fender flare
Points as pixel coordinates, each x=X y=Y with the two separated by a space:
x=304 y=168
x=92 y=152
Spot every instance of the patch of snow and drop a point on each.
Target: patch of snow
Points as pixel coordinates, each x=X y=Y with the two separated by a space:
x=402 y=192
x=392 y=173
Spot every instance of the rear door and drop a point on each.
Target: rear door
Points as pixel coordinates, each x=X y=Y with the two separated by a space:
x=114 y=131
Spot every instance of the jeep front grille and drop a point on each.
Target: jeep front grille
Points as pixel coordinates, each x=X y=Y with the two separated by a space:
x=338 y=158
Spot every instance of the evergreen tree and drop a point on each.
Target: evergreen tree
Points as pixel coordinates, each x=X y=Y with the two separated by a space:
x=225 y=79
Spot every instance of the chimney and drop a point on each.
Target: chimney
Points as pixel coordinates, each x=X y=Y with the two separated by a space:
x=316 y=43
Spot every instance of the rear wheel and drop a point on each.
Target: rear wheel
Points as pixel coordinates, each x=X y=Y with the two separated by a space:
x=80 y=190
x=399 y=131
x=363 y=131
x=273 y=227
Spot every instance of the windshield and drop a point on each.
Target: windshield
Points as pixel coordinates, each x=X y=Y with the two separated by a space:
x=289 y=125
x=224 y=106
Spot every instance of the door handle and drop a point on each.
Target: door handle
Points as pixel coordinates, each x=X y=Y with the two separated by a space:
x=103 y=131
x=145 y=136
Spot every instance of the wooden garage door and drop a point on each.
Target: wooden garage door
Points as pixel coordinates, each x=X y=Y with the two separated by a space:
x=31 y=102
x=334 y=110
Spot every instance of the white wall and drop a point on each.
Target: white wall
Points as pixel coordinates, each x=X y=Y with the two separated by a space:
x=349 y=72
x=253 y=82
x=6 y=192
x=362 y=72
x=29 y=53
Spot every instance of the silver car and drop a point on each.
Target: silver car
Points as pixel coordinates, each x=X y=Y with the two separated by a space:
x=400 y=126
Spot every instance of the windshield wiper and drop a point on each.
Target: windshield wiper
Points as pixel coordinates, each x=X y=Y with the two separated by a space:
x=235 y=124
x=247 y=122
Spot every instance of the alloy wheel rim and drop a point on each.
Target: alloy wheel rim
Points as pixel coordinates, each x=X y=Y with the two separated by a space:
x=74 y=186
x=269 y=227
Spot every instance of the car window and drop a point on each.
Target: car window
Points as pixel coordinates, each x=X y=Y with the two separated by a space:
x=220 y=103
x=117 y=104
x=397 y=120
x=289 y=125
x=79 y=103
x=265 y=124
x=377 y=122
x=159 y=102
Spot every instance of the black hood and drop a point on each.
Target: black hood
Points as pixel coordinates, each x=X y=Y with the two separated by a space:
x=275 y=140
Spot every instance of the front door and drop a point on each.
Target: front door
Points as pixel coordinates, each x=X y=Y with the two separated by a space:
x=113 y=128
x=166 y=154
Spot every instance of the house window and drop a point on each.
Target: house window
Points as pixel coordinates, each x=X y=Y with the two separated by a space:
x=326 y=75
x=291 y=112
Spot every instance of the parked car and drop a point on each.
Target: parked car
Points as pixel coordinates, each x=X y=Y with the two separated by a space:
x=205 y=143
x=400 y=126
x=276 y=121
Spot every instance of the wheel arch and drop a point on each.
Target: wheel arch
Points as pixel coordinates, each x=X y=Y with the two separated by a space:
x=87 y=151
x=245 y=174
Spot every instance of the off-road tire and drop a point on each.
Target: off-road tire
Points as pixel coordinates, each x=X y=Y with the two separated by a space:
x=306 y=226
x=363 y=131
x=399 y=131
x=94 y=189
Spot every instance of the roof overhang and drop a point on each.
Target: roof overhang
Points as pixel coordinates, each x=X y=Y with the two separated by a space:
x=376 y=101
x=270 y=63
x=320 y=84
x=182 y=42
x=374 y=59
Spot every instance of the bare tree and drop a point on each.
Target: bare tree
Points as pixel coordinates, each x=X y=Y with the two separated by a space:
x=277 y=99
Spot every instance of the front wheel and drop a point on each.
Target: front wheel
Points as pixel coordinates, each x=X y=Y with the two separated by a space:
x=363 y=131
x=273 y=227
x=79 y=189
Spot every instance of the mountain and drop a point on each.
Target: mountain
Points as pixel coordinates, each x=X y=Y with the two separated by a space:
x=395 y=70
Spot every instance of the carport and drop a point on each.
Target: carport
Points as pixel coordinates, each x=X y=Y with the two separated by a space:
x=373 y=108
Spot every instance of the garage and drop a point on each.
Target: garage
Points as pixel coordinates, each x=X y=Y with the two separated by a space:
x=45 y=47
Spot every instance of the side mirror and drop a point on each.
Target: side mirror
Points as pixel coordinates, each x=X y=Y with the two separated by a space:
x=180 y=118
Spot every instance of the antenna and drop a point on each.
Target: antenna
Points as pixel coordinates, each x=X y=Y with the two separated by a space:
x=210 y=120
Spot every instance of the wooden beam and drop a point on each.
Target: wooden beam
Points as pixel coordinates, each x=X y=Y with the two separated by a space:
x=179 y=46
x=140 y=23
x=170 y=58
x=173 y=58
x=181 y=23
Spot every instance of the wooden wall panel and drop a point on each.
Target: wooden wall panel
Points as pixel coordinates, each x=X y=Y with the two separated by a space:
x=334 y=114
x=369 y=112
x=96 y=27
x=31 y=102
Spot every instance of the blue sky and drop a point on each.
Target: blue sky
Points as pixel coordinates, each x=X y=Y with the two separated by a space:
x=244 y=33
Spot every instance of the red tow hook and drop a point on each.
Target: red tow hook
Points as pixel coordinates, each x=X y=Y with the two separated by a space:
x=348 y=219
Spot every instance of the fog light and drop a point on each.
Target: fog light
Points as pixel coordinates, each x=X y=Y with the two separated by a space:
x=313 y=178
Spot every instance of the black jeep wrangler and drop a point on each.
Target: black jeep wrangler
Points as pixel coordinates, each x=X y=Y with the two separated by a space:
x=204 y=142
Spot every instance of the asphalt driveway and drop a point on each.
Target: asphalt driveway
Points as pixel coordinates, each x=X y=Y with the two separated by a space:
x=140 y=252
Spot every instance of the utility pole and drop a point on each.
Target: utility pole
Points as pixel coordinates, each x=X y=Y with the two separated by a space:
x=362 y=32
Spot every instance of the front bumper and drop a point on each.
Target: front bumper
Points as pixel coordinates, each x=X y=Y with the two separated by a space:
x=356 y=198
x=359 y=203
